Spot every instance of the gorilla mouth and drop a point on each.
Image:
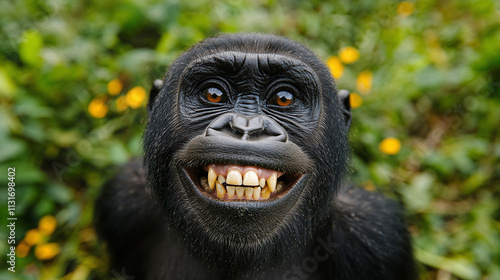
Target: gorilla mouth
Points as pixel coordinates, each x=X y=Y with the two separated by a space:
x=236 y=182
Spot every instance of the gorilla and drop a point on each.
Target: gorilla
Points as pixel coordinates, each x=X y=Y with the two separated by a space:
x=245 y=153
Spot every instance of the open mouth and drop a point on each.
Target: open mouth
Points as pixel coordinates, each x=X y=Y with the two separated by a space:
x=236 y=182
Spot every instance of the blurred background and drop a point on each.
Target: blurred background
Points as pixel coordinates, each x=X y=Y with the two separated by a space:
x=425 y=84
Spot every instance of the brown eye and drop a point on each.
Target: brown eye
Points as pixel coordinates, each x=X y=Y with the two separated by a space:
x=284 y=98
x=213 y=95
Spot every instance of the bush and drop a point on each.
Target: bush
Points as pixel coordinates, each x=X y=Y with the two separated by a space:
x=426 y=84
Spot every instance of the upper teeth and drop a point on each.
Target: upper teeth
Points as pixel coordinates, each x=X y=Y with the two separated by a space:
x=233 y=177
x=250 y=178
x=211 y=178
x=271 y=182
x=241 y=186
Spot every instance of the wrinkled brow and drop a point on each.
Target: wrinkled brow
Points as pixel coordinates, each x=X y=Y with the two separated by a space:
x=231 y=63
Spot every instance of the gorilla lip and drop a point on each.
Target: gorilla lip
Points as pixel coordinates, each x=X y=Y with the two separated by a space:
x=237 y=182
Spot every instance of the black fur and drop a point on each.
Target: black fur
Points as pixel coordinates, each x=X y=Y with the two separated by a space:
x=320 y=229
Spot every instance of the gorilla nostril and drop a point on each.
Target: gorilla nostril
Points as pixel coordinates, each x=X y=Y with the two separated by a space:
x=252 y=126
x=247 y=128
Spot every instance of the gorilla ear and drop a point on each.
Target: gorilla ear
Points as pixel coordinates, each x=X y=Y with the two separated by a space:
x=155 y=89
x=344 y=98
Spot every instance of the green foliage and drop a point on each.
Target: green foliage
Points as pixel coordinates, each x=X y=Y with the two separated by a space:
x=435 y=88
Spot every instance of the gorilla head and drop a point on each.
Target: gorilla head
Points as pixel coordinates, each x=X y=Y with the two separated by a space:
x=245 y=149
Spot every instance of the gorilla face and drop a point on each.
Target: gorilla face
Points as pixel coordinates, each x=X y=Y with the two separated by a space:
x=245 y=149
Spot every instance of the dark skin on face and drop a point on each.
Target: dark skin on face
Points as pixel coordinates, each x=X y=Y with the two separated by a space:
x=245 y=152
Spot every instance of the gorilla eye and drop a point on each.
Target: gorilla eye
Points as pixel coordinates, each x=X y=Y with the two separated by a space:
x=214 y=95
x=284 y=98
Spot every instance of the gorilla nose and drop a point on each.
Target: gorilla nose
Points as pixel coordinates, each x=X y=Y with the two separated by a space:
x=247 y=126
x=251 y=128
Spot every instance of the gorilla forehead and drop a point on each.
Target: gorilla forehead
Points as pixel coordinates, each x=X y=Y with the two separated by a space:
x=237 y=64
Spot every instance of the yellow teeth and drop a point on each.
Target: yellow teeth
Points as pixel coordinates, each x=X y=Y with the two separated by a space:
x=234 y=178
x=271 y=182
x=279 y=186
x=221 y=191
x=265 y=193
x=221 y=179
x=237 y=186
x=230 y=191
x=248 y=193
x=250 y=178
x=240 y=191
x=211 y=178
x=204 y=183
x=262 y=182
x=256 y=193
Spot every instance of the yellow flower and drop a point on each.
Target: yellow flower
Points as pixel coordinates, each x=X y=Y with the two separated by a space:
x=390 y=146
x=47 y=224
x=32 y=237
x=98 y=108
x=114 y=87
x=46 y=251
x=364 y=82
x=121 y=104
x=336 y=66
x=356 y=100
x=405 y=8
x=87 y=235
x=23 y=249
x=369 y=186
x=349 y=55
x=135 y=97
x=91 y=262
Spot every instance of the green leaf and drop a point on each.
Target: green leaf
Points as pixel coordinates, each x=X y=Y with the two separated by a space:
x=44 y=206
x=417 y=195
x=59 y=193
x=7 y=85
x=11 y=148
x=26 y=173
x=462 y=267
x=29 y=49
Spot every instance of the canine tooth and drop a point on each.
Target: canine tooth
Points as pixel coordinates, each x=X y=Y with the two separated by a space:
x=221 y=179
x=211 y=178
x=240 y=191
x=234 y=177
x=230 y=191
x=271 y=182
x=250 y=178
x=262 y=182
x=248 y=193
x=204 y=183
x=279 y=186
x=256 y=193
x=221 y=191
x=265 y=193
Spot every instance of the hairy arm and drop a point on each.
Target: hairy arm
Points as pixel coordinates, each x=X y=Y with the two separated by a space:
x=372 y=238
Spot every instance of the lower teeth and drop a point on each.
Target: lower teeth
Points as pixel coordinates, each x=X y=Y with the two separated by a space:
x=224 y=191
